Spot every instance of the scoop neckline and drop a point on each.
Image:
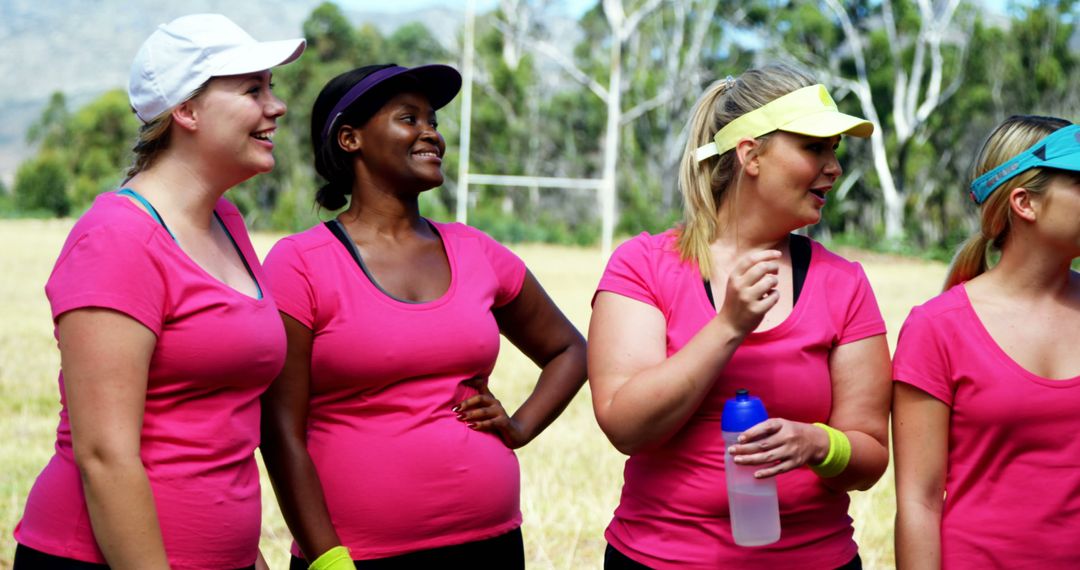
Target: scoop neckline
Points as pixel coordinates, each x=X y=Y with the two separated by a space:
x=206 y=274
x=1000 y=353
x=372 y=285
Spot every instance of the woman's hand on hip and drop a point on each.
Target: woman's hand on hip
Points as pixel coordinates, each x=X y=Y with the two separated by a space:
x=484 y=412
x=782 y=445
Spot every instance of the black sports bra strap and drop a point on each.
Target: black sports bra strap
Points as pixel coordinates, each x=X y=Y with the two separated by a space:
x=339 y=232
x=800 y=250
x=800 y=264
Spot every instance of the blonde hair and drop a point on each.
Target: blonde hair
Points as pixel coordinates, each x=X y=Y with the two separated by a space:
x=153 y=137
x=1012 y=137
x=704 y=185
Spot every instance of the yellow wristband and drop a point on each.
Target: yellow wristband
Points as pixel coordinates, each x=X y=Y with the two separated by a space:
x=839 y=453
x=337 y=558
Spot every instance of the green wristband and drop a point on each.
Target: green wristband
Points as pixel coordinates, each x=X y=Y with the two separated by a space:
x=839 y=453
x=337 y=558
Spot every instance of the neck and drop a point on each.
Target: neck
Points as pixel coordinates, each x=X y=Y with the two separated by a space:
x=745 y=229
x=384 y=213
x=1031 y=269
x=181 y=189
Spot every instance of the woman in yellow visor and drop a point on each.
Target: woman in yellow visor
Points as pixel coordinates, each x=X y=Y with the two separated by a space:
x=732 y=299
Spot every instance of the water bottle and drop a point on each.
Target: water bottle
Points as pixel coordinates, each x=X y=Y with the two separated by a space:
x=754 y=509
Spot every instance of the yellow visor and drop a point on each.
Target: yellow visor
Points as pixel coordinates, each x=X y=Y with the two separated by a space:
x=808 y=111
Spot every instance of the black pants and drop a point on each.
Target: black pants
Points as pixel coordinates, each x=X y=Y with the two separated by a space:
x=506 y=551
x=27 y=558
x=615 y=560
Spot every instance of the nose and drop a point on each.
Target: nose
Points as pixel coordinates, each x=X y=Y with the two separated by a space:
x=431 y=134
x=275 y=107
x=832 y=167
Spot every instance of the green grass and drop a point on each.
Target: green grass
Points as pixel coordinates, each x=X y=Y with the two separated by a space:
x=571 y=476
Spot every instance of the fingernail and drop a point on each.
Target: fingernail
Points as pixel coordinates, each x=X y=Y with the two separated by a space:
x=455 y=408
x=461 y=416
x=731 y=450
x=741 y=439
x=471 y=426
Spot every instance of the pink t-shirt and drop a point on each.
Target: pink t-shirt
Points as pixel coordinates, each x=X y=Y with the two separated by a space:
x=400 y=472
x=1013 y=475
x=674 y=507
x=217 y=350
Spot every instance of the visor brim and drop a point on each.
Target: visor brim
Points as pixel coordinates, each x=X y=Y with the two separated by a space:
x=829 y=124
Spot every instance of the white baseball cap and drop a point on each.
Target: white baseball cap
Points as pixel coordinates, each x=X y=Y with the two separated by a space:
x=185 y=53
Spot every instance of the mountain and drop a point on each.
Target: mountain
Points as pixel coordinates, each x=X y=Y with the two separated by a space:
x=85 y=47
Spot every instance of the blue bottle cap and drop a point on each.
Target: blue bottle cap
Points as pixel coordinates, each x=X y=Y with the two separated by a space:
x=742 y=412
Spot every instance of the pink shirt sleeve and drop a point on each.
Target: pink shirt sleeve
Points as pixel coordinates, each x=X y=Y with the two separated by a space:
x=287 y=276
x=113 y=268
x=921 y=359
x=629 y=272
x=862 y=318
x=509 y=269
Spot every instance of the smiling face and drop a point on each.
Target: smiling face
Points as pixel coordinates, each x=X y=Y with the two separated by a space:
x=236 y=119
x=794 y=173
x=401 y=144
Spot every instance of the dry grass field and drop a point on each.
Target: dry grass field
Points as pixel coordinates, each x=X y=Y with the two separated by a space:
x=570 y=475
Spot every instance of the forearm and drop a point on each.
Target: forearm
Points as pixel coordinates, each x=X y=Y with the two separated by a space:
x=122 y=513
x=559 y=381
x=655 y=402
x=300 y=496
x=918 y=536
x=869 y=459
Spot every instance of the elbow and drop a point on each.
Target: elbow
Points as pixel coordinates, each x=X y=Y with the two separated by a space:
x=626 y=441
x=96 y=462
x=624 y=447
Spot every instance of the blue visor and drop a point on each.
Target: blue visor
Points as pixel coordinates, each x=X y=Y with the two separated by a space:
x=1059 y=150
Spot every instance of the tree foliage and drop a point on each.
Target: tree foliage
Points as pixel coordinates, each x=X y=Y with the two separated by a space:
x=936 y=75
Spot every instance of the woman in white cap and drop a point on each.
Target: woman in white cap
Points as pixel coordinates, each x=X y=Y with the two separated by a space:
x=733 y=299
x=988 y=372
x=167 y=333
x=381 y=437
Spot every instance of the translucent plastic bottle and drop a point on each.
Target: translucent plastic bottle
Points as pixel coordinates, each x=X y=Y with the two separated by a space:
x=754 y=510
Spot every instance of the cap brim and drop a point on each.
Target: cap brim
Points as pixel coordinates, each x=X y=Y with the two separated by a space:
x=440 y=83
x=830 y=124
x=258 y=57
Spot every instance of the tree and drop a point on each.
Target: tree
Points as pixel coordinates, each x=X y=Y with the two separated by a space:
x=41 y=184
x=891 y=55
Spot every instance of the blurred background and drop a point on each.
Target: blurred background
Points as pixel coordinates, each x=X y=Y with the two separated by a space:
x=583 y=102
x=935 y=75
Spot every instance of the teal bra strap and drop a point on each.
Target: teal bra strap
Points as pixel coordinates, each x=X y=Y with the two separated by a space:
x=149 y=208
x=153 y=212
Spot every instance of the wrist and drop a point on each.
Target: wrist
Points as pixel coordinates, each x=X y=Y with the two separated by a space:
x=730 y=333
x=836 y=461
x=337 y=558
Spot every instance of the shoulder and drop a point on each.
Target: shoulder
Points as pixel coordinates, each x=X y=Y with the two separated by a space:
x=300 y=251
x=945 y=307
x=834 y=262
x=657 y=249
x=459 y=230
x=112 y=219
x=312 y=238
x=469 y=236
